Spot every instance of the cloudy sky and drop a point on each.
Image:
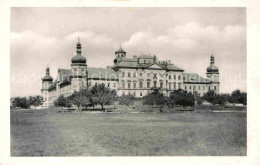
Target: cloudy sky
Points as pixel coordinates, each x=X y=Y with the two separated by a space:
x=186 y=36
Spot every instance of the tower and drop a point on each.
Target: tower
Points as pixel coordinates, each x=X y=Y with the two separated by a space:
x=46 y=83
x=213 y=75
x=120 y=54
x=78 y=69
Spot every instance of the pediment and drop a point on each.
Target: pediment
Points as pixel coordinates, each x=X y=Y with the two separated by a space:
x=155 y=66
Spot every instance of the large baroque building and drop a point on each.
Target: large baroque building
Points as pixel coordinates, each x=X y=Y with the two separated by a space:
x=136 y=76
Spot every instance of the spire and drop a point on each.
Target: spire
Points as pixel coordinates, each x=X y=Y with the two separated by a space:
x=212 y=61
x=47 y=70
x=78 y=46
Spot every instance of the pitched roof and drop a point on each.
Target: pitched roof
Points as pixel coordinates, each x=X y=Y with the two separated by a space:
x=133 y=63
x=93 y=73
x=102 y=73
x=191 y=78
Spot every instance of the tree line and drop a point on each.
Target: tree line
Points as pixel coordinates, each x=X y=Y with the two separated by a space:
x=26 y=102
x=96 y=95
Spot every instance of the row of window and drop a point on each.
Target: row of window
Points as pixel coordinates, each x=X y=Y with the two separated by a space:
x=199 y=88
x=149 y=85
x=148 y=74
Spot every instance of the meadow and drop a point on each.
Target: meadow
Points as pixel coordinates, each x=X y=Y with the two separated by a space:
x=49 y=133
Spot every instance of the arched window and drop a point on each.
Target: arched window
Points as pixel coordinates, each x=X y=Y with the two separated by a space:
x=179 y=77
x=123 y=84
x=148 y=84
x=174 y=86
x=170 y=77
x=170 y=85
x=129 y=84
x=154 y=84
x=134 y=83
x=129 y=74
x=140 y=84
x=161 y=84
x=174 y=77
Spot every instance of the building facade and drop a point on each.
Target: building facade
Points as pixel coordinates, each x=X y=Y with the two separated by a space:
x=137 y=76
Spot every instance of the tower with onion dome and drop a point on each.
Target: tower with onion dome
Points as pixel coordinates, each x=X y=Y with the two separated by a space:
x=213 y=75
x=78 y=69
x=46 y=83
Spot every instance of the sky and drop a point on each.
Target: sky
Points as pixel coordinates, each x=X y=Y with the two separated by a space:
x=42 y=37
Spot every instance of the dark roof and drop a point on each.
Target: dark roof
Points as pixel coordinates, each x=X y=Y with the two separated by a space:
x=52 y=87
x=212 y=68
x=133 y=63
x=194 y=78
x=47 y=78
x=102 y=73
x=93 y=73
x=120 y=50
x=78 y=59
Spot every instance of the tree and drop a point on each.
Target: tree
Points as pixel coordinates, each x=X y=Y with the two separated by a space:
x=155 y=98
x=80 y=98
x=60 y=102
x=235 y=96
x=210 y=96
x=21 y=102
x=182 y=98
x=243 y=98
x=126 y=99
x=101 y=95
x=35 y=100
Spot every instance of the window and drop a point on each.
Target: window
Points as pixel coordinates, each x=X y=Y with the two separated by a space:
x=123 y=74
x=141 y=84
x=179 y=77
x=123 y=84
x=174 y=77
x=174 y=86
x=114 y=84
x=134 y=85
x=199 y=87
x=141 y=94
x=134 y=75
x=190 y=87
x=161 y=84
x=170 y=77
x=203 y=87
x=154 y=84
x=129 y=85
x=185 y=87
x=129 y=74
x=179 y=85
x=148 y=84
x=170 y=85
x=108 y=84
x=215 y=88
x=82 y=70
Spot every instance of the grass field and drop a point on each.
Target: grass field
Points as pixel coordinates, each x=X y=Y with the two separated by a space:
x=43 y=133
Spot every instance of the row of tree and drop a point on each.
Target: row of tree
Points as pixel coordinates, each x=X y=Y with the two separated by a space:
x=97 y=95
x=27 y=102
x=236 y=97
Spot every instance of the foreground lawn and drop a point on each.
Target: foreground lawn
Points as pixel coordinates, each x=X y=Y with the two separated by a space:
x=104 y=134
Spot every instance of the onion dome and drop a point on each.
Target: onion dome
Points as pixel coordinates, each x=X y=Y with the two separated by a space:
x=212 y=67
x=78 y=59
x=47 y=77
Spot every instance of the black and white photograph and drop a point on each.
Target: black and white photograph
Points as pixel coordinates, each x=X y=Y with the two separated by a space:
x=131 y=81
